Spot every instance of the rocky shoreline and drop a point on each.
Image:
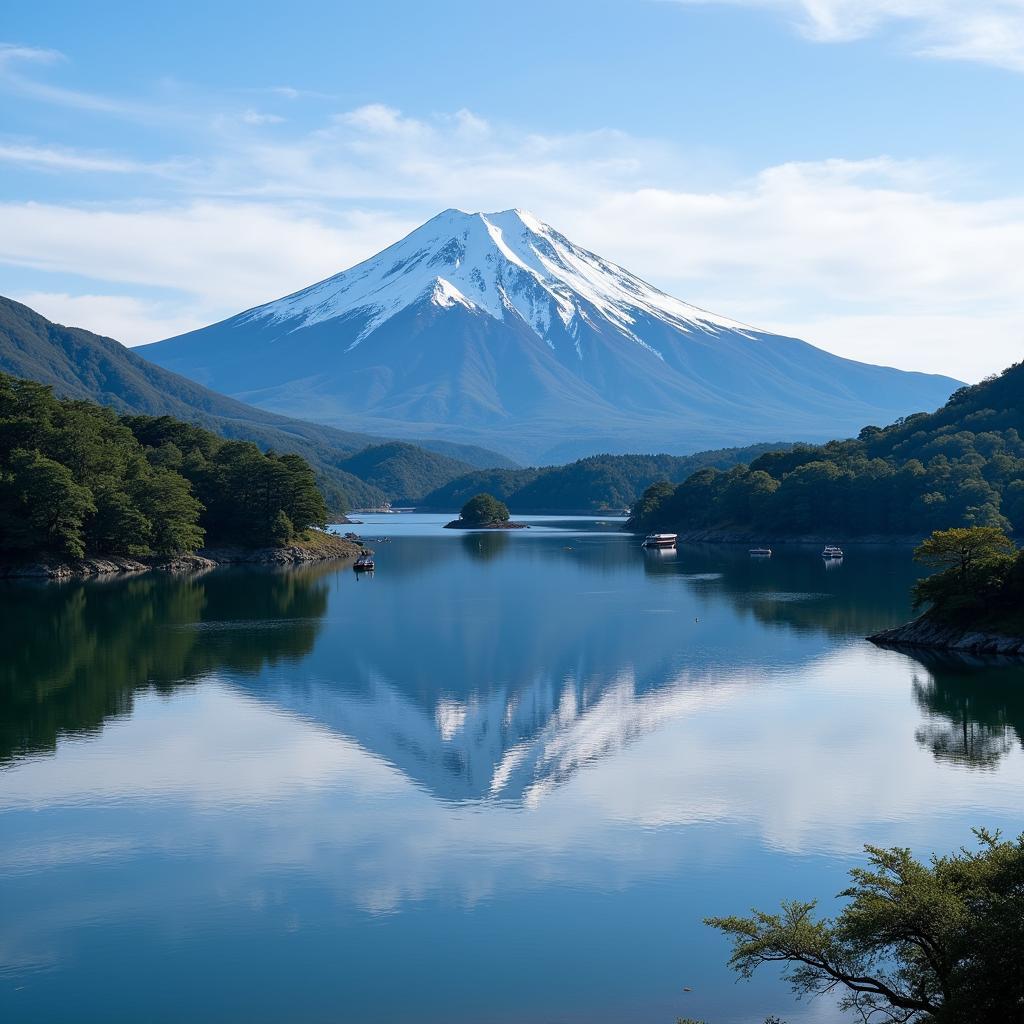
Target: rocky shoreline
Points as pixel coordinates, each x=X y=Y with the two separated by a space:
x=316 y=549
x=933 y=634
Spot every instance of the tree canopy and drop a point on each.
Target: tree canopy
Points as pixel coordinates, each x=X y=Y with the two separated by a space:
x=981 y=573
x=77 y=479
x=596 y=483
x=960 y=466
x=484 y=510
x=936 y=942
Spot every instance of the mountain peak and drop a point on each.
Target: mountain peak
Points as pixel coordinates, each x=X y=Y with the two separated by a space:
x=507 y=264
x=498 y=328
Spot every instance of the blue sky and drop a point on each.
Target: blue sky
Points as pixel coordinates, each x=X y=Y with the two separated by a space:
x=849 y=172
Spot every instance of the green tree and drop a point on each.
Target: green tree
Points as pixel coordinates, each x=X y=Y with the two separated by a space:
x=118 y=525
x=484 y=510
x=972 y=562
x=166 y=500
x=940 y=942
x=53 y=506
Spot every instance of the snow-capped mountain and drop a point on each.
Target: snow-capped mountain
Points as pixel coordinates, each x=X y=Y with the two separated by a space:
x=497 y=329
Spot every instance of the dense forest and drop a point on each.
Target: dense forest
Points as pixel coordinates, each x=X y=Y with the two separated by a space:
x=79 y=364
x=960 y=466
x=404 y=472
x=76 y=479
x=598 y=483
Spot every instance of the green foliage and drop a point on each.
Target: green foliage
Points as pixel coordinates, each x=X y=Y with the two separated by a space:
x=76 y=479
x=484 y=510
x=248 y=496
x=595 y=484
x=960 y=466
x=404 y=472
x=45 y=508
x=977 y=569
x=939 y=942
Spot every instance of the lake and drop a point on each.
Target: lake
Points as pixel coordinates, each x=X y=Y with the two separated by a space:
x=501 y=780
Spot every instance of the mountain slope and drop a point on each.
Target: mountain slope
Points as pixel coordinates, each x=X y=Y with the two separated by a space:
x=404 y=471
x=497 y=329
x=79 y=364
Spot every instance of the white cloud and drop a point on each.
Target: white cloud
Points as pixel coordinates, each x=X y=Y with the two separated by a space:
x=822 y=250
x=987 y=31
x=12 y=53
x=832 y=246
x=130 y=320
x=53 y=158
x=221 y=256
x=256 y=117
x=947 y=343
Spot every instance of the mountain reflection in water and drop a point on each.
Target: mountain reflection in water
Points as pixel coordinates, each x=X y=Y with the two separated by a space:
x=502 y=780
x=478 y=692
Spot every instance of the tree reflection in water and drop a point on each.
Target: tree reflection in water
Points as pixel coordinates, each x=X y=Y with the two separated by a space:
x=974 y=707
x=76 y=654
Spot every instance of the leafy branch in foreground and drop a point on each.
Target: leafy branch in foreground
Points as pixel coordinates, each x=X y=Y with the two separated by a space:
x=939 y=942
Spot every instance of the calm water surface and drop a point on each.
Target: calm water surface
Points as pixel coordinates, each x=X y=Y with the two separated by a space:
x=500 y=781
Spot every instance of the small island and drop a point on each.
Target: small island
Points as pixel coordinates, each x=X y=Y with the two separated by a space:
x=976 y=599
x=484 y=512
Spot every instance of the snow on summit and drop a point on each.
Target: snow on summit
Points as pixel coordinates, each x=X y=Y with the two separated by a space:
x=494 y=329
x=507 y=264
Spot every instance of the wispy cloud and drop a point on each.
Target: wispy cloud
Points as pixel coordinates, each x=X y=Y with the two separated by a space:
x=13 y=53
x=257 y=117
x=986 y=31
x=62 y=159
x=12 y=57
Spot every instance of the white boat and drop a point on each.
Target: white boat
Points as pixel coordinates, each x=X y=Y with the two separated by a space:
x=760 y=552
x=832 y=551
x=660 y=540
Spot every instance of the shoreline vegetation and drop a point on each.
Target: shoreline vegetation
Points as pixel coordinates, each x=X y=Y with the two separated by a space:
x=85 y=492
x=976 y=599
x=960 y=466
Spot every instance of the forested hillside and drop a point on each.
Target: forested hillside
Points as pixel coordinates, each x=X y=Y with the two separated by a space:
x=402 y=471
x=598 y=483
x=83 y=365
x=76 y=479
x=960 y=466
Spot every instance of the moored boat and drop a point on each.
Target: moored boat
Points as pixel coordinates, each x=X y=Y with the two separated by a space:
x=364 y=563
x=660 y=540
x=760 y=552
x=832 y=551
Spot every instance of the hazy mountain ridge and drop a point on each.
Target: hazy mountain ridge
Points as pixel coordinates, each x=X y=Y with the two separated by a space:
x=497 y=329
x=595 y=484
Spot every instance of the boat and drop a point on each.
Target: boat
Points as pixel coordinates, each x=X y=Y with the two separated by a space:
x=760 y=552
x=364 y=563
x=660 y=540
x=832 y=551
